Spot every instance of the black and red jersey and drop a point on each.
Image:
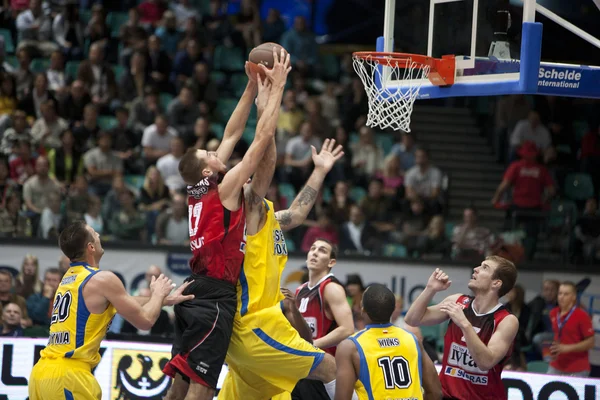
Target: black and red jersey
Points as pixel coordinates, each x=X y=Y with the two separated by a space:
x=460 y=376
x=217 y=235
x=311 y=305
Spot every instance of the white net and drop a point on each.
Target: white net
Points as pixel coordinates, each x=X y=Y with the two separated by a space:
x=390 y=106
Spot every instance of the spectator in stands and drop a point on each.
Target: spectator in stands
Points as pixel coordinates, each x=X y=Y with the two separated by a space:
x=97 y=29
x=6 y=183
x=300 y=89
x=202 y=134
x=159 y=64
x=23 y=75
x=529 y=180
x=128 y=223
x=66 y=162
x=216 y=23
x=273 y=27
x=8 y=99
x=341 y=202
x=183 y=112
x=22 y=167
x=11 y=321
x=204 y=88
x=471 y=241
x=57 y=77
x=111 y=204
x=515 y=303
x=28 y=280
x=73 y=105
x=7 y=296
x=329 y=104
x=405 y=151
x=433 y=241
x=12 y=222
x=144 y=110
x=587 y=232
x=131 y=27
x=573 y=335
x=169 y=34
x=37 y=189
x=35 y=30
x=290 y=117
x=184 y=10
x=301 y=44
x=590 y=155
x=358 y=235
x=154 y=197
x=367 y=156
x=156 y=139
x=135 y=78
x=102 y=164
x=314 y=114
x=530 y=129
x=298 y=156
x=162 y=327
x=63 y=264
x=247 y=23
x=279 y=202
x=539 y=328
x=98 y=78
x=151 y=11
x=17 y=132
x=39 y=305
x=32 y=102
x=355 y=289
x=52 y=220
x=77 y=199
x=183 y=65
x=391 y=176
x=93 y=216
x=172 y=224
x=354 y=103
x=509 y=111
x=325 y=229
x=377 y=207
x=47 y=129
x=168 y=166
x=424 y=181
x=68 y=31
x=125 y=143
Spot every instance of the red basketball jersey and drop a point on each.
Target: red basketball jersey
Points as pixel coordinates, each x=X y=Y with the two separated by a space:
x=311 y=305
x=217 y=235
x=460 y=376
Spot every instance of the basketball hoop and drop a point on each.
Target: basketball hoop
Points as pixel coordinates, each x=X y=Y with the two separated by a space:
x=393 y=80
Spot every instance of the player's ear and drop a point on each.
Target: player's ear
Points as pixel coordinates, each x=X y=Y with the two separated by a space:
x=206 y=172
x=332 y=262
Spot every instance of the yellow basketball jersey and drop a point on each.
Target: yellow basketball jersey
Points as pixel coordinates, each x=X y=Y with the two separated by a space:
x=266 y=254
x=390 y=363
x=76 y=333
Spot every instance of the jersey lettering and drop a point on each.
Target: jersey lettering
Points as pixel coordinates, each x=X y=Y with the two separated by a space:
x=194 y=212
x=396 y=372
x=243 y=243
x=56 y=338
x=279 y=243
x=312 y=324
x=461 y=357
x=61 y=307
x=303 y=304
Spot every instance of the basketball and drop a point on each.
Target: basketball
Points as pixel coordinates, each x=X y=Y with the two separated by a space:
x=262 y=54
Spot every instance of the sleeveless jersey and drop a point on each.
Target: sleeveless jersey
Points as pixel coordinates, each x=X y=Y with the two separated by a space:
x=266 y=254
x=311 y=305
x=216 y=234
x=75 y=332
x=390 y=363
x=460 y=376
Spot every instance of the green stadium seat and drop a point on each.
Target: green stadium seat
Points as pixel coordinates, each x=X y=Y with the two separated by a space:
x=71 y=68
x=224 y=109
x=386 y=141
x=238 y=84
x=560 y=212
x=9 y=46
x=106 y=123
x=228 y=59
x=165 y=100
x=135 y=181
x=218 y=129
x=114 y=20
x=248 y=135
x=540 y=367
x=579 y=186
x=85 y=16
x=291 y=246
x=287 y=191
x=449 y=229
x=395 y=250
x=327 y=194
x=218 y=77
x=40 y=65
x=357 y=193
x=330 y=67
x=119 y=70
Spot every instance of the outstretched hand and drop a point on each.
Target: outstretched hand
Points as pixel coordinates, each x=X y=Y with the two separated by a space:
x=281 y=67
x=177 y=296
x=251 y=77
x=264 y=91
x=328 y=155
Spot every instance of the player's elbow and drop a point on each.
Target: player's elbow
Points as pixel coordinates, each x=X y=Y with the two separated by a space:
x=411 y=319
x=144 y=324
x=346 y=331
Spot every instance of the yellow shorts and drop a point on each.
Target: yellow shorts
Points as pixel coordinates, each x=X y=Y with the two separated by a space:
x=63 y=379
x=266 y=357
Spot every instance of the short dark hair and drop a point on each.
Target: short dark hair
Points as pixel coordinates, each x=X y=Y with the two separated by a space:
x=423 y=149
x=7 y=273
x=190 y=167
x=506 y=272
x=53 y=270
x=334 y=249
x=379 y=303
x=74 y=239
x=571 y=284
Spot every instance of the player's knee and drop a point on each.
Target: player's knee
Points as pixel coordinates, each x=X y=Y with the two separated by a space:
x=325 y=371
x=178 y=389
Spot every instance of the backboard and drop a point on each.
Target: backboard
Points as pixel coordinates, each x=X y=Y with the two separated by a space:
x=488 y=60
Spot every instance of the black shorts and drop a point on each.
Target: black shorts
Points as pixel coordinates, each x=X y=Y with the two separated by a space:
x=310 y=389
x=203 y=328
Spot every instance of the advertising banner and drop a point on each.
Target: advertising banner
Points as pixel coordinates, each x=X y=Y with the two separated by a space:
x=132 y=371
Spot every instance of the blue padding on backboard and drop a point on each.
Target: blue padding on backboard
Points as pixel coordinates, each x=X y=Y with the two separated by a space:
x=379 y=47
x=531 y=54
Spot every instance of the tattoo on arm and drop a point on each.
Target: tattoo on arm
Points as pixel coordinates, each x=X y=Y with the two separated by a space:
x=307 y=196
x=284 y=218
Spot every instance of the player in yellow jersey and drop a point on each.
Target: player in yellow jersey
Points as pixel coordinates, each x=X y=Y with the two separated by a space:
x=84 y=305
x=389 y=362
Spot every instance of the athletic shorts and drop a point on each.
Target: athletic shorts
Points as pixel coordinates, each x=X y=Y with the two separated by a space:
x=266 y=357
x=63 y=379
x=203 y=329
x=310 y=389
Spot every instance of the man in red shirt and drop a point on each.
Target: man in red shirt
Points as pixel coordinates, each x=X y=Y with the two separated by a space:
x=532 y=187
x=573 y=335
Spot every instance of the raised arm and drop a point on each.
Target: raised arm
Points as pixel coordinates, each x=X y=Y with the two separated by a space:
x=420 y=313
x=305 y=200
x=232 y=183
x=335 y=299
x=237 y=121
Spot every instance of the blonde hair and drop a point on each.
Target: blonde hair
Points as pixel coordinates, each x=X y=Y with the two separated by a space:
x=387 y=161
x=436 y=219
x=160 y=184
x=37 y=286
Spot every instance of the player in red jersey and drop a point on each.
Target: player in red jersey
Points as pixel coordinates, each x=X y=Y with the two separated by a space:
x=322 y=302
x=217 y=226
x=481 y=331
